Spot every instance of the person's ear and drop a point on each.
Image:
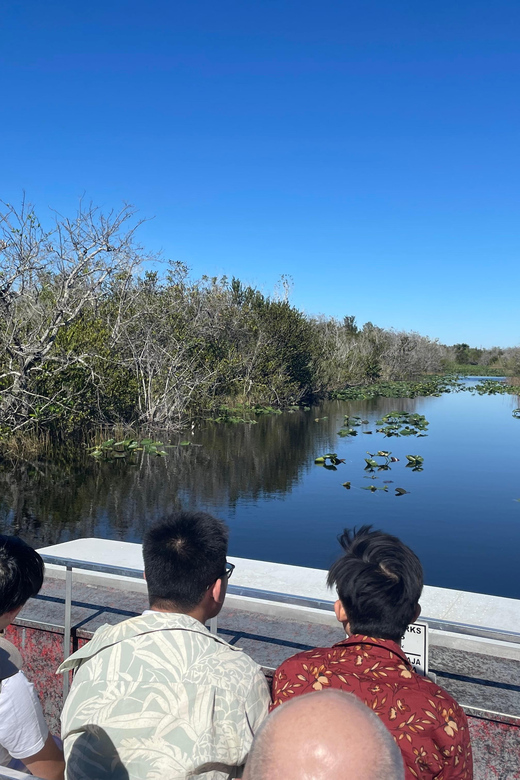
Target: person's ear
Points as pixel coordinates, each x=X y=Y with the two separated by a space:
x=218 y=591
x=144 y=575
x=417 y=612
x=340 y=613
x=6 y=618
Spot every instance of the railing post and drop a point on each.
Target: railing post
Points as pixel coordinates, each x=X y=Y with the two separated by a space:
x=67 y=627
x=213 y=625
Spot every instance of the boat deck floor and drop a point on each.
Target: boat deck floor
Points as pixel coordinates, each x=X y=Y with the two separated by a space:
x=478 y=682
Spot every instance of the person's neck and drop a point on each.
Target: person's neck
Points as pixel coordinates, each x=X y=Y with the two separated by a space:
x=377 y=638
x=197 y=612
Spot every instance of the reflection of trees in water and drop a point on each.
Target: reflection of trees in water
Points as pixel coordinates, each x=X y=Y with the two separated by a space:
x=381 y=406
x=73 y=496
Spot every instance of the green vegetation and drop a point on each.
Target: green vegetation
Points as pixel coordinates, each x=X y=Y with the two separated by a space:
x=463 y=369
x=414 y=462
x=373 y=464
x=493 y=387
x=89 y=342
x=432 y=385
x=330 y=456
x=113 y=450
x=403 y=424
x=471 y=361
x=376 y=461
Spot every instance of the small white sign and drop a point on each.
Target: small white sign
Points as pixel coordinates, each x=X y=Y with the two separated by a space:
x=415 y=646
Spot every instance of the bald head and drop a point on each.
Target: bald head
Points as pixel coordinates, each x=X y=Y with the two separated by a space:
x=324 y=735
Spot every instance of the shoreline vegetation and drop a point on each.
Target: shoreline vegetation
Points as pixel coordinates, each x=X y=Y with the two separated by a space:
x=90 y=343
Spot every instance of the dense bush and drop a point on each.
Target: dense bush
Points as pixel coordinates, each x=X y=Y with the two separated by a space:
x=85 y=339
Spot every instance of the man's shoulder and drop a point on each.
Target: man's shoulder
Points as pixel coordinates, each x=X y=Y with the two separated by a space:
x=433 y=693
x=312 y=656
x=153 y=629
x=341 y=661
x=21 y=712
x=15 y=685
x=161 y=645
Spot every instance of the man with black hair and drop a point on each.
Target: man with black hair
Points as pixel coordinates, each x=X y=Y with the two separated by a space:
x=159 y=695
x=379 y=581
x=24 y=736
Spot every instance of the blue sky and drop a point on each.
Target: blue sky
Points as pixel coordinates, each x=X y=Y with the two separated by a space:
x=369 y=149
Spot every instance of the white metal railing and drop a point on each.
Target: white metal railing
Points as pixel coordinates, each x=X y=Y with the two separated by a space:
x=70 y=564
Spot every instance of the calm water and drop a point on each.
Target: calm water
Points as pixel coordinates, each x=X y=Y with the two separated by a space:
x=460 y=514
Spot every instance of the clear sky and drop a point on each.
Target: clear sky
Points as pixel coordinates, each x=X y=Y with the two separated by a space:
x=369 y=149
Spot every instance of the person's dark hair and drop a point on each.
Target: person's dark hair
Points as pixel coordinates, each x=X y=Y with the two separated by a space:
x=379 y=582
x=21 y=573
x=183 y=555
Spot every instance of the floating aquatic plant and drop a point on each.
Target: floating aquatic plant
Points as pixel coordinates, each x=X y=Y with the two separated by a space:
x=114 y=450
x=330 y=456
x=429 y=386
x=493 y=387
x=414 y=462
x=403 y=424
x=372 y=463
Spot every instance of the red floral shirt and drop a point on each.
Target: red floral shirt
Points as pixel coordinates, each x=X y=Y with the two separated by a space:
x=427 y=724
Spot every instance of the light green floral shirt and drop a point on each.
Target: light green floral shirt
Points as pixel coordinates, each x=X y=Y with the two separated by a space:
x=158 y=697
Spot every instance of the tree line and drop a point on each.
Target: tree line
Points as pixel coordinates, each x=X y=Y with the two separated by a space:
x=496 y=359
x=89 y=337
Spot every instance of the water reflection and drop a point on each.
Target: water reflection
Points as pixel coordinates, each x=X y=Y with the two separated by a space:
x=459 y=514
x=73 y=496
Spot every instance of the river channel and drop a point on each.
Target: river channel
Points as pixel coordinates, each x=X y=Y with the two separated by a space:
x=461 y=513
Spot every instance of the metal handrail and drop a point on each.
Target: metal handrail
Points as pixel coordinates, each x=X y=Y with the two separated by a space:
x=272 y=596
x=290 y=599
